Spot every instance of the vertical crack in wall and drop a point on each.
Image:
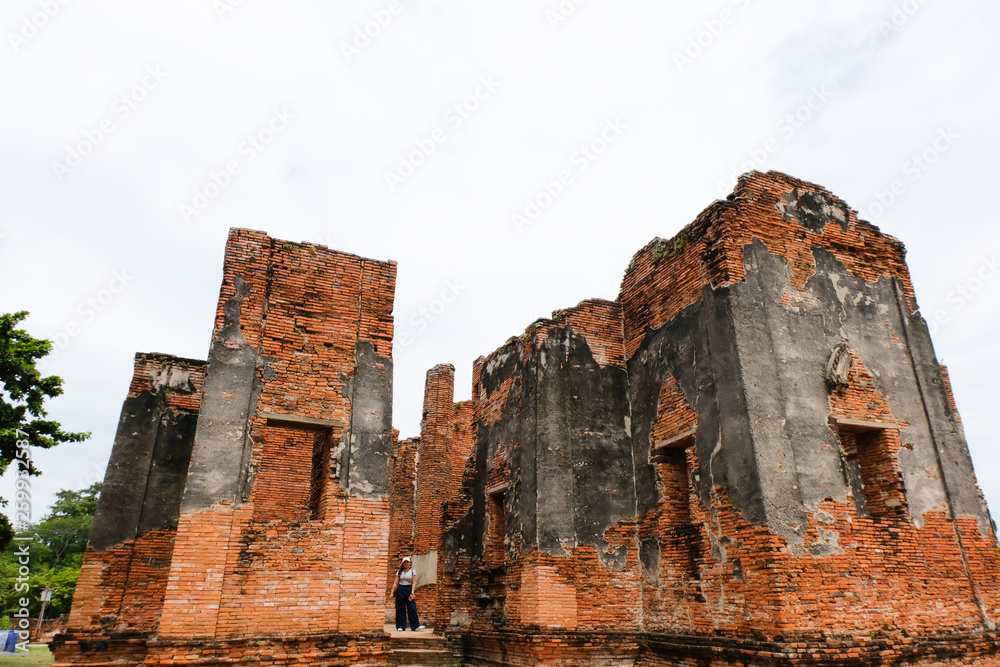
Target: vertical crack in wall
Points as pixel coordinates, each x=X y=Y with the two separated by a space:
x=977 y=595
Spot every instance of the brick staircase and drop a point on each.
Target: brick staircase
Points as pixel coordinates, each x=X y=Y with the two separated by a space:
x=414 y=649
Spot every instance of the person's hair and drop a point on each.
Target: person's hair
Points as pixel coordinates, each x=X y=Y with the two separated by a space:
x=400 y=570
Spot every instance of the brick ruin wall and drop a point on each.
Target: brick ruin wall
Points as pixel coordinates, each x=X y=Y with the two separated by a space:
x=402 y=515
x=676 y=467
x=282 y=507
x=752 y=456
x=124 y=577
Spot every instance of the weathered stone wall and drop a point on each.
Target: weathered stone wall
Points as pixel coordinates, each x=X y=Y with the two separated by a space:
x=861 y=481
x=545 y=537
x=402 y=514
x=127 y=561
x=301 y=356
x=766 y=499
x=752 y=456
x=441 y=454
x=285 y=507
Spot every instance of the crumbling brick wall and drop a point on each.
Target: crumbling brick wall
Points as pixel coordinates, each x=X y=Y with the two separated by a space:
x=285 y=505
x=769 y=504
x=306 y=334
x=431 y=469
x=545 y=540
x=809 y=278
x=124 y=577
x=402 y=514
x=752 y=456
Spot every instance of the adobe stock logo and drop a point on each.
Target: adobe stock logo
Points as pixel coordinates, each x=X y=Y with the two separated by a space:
x=713 y=29
x=900 y=16
x=786 y=127
x=965 y=291
x=32 y=25
x=914 y=168
x=225 y=7
x=365 y=34
x=551 y=190
x=86 y=312
x=421 y=320
x=249 y=149
x=121 y=109
x=562 y=12
x=454 y=117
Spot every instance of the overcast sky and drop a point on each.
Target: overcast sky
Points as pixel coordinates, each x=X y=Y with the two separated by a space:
x=134 y=135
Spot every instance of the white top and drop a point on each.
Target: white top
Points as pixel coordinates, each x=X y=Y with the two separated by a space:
x=406 y=577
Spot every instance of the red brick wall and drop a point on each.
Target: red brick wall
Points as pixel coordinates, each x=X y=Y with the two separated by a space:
x=301 y=557
x=600 y=322
x=301 y=550
x=122 y=588
x=891 y=574
x=885 y=575
x=668 y=275
x=402 y=515
x=286 y=485
x=674 y=415
x=300 y=547
x=441 y=454
x=515 y=585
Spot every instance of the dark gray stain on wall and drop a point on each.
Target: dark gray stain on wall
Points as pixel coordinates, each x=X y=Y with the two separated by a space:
x=565 y=433
x=750 y=360
x=698 y=347
x=584 y=458
x=220 y=464
x=370 y=431
x=514 y=435
x=144 y=481
x=814 y=210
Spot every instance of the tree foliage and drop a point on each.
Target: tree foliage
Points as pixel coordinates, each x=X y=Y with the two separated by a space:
x=55 y=554
x=60 y=539
x=22 y=398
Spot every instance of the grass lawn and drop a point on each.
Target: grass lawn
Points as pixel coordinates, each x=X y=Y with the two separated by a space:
x=37 y=655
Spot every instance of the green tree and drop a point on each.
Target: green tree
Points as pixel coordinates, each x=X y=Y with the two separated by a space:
x=61 y=537
x=55 y=553
x=22 y=412
x=62 y=581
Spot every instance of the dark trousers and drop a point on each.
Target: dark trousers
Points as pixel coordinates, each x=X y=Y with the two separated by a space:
x=405 y=607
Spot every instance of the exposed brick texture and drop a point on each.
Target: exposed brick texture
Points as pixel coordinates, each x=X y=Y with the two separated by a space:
x=692 y=581
x=668 y=275
x=121 y=588
x=751 y=457
x=402 y=514
x=299 y=530
x=439 y=456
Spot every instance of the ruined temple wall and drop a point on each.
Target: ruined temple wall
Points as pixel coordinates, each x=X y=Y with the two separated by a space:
x=286 y=507
x=773 y=448
x=694 y=460
x=127 y=561
x=402 y=513
x=441 y=454
x=752 y=457
x=459 y=526
x=767 y=502
x=549 y=537
x=783 y=213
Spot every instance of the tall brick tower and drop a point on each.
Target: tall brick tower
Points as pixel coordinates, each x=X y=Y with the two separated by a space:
x=752 y=456
x=273 y=546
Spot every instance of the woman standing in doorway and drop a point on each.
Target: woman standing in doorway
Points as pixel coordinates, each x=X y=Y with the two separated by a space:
x=402 y=590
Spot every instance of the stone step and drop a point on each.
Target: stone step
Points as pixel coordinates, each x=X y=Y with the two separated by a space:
x=419 y=641
x=414 y=657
